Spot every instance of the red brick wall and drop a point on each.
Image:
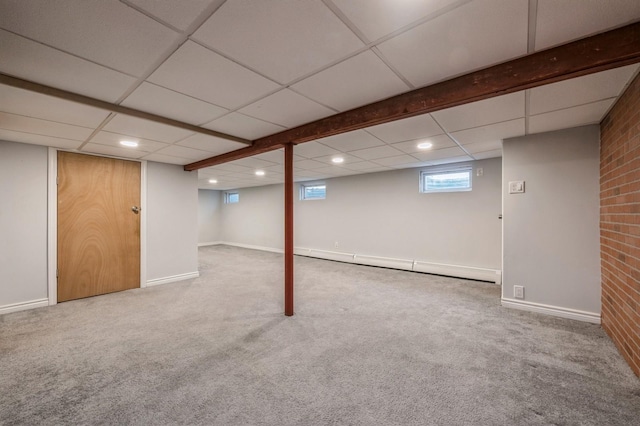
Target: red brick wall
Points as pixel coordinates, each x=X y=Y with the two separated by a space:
x=620 y=223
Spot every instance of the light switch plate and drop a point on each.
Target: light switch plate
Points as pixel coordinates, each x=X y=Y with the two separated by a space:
x=516 y=187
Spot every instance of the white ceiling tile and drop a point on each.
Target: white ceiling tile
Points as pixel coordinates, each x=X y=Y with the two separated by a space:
x=32 y=104
x=473 y=36
x=481 y=113
x=570 y=117
x=161 y=158
x=559 y=22
x=184 y=152
x=351 y=141
x=283 y=40
x=421 y=126
x=412 y=165
x=107 y=32
x=35 y=62
x=113 y=139
x=30 y=138
x=243 y=126
x=313 y=149
x=112 y=150
x=475 y=148
x=253 y=163
x=308 y=164
x=398 y=160
x=334 y=171
x=211 y=144
x=328 y=159
x=581 y=90
x=492 y=132
x=488 y=154
x=203 y=74
x=438 y=154
x=233 y=168
x=357 y=81
x=377 y=18
x=363 y=166
x=450 y=160
x=179 y=14
x=377 y=152
x=20 y=123
x=133 y=126
x=167 y=103
x=286 y=108
x=440 y=141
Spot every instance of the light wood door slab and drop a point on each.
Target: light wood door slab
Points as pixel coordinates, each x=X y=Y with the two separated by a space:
x=98 y=231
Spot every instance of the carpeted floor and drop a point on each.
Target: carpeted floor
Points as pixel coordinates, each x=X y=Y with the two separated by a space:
x=367 y=346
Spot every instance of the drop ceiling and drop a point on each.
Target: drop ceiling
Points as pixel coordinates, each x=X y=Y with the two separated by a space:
x=253 y=68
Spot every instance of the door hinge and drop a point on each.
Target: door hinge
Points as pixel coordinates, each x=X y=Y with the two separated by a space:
x=57 y=272
x=57 y=180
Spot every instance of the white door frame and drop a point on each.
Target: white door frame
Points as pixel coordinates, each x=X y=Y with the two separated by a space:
x=52 y=221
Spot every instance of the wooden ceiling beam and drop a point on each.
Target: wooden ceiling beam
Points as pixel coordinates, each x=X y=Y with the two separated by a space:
x=608 y=50
x=86 y=100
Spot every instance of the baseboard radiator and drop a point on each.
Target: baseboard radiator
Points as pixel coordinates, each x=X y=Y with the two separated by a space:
x=468 y=272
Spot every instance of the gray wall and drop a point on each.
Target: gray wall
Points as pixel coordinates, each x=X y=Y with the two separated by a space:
x=172 y=221
x=23 y=223
x=208 y=216
x=380 y=214
x=551 y=232
x=257 y=220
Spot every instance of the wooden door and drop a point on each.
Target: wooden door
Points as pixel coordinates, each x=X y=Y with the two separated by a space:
x=98 y=231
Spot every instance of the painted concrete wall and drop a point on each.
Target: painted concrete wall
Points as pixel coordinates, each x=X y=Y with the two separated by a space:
x=23 y=223
x=380 y=214
x=172 y=221
x=208 y=216
x=551 y=232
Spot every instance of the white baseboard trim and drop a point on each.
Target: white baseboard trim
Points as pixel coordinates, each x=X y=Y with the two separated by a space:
x=172 y=279
x=557 y=311
x=252 y=247
x=23 y=306
x=210 y=243
x=332 y=255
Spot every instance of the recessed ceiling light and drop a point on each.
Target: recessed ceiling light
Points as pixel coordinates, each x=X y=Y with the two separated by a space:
x=259 y=172
x=130 y=144
x=337 y=160
x=425 y=145
x=213 y=181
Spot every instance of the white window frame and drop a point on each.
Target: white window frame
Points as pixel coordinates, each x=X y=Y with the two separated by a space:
x=303 y=187
x=443 y=170
x=227 y=197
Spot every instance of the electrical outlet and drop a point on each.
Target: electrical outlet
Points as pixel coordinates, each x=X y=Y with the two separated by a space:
x=335 y=245
x=518 y=291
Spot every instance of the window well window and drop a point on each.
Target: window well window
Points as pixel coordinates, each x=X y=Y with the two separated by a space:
x=313 y=192
x=446 y=180
x=231 y=197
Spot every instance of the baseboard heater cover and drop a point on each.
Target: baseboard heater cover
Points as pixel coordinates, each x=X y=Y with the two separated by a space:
x=469 y=272
x=557 y=311
x=332 y=255
x=384 y=262
x=23 y=306
x=172 y=279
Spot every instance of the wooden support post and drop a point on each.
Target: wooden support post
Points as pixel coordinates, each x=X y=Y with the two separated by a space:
x=288 y=229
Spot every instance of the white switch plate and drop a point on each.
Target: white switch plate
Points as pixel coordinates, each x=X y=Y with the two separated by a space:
x=516 y=187
x=479 y=171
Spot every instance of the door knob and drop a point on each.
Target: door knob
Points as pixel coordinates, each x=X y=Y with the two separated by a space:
x=135 y=209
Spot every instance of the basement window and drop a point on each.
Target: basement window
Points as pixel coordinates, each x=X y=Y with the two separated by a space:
x=450 y=179
x=313 y=192
x=231 y=197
